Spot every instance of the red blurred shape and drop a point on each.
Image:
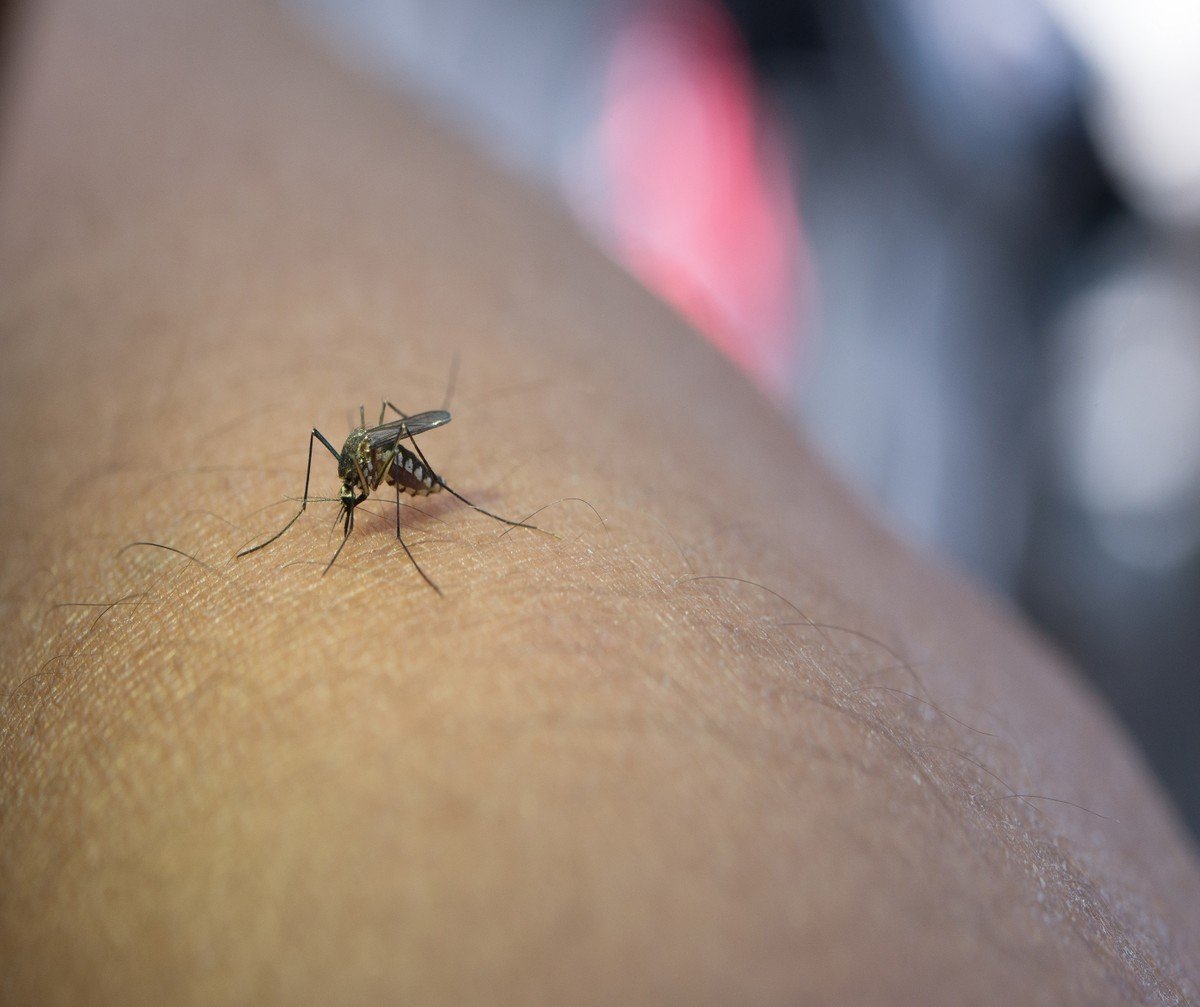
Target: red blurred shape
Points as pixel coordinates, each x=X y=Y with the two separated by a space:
x=701 y=192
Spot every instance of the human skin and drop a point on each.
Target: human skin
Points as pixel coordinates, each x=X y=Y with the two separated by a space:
x=719 y=738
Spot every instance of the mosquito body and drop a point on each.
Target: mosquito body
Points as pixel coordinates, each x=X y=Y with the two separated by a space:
x=374 y=455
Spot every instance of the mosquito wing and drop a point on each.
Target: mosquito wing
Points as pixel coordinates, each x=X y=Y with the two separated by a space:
x=386 y=434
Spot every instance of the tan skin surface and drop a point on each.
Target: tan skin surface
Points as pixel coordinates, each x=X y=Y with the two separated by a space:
x=591 y=772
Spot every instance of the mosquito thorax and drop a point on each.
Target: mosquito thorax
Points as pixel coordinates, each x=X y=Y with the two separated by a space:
x=357 y=460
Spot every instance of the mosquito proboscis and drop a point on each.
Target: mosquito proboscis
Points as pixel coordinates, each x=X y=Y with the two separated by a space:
x=373 y=455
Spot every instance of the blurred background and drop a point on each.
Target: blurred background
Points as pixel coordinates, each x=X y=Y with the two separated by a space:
x=957 y=240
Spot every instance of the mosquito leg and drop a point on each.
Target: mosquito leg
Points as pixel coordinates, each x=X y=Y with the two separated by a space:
x=473 y=506
x=429 y=468
x=407 y=551
x=451 y=383
x=383 y=412
x=315 y=435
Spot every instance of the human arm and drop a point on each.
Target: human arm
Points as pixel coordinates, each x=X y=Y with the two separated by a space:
x=722 y=739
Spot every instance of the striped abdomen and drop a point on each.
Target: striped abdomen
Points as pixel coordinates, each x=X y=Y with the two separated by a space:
x=411 y=474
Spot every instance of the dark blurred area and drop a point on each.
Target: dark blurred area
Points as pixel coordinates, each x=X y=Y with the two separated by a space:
x=8 y=11
x=959 y=241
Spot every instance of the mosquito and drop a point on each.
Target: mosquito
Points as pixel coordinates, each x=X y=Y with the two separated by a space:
x=373 y=455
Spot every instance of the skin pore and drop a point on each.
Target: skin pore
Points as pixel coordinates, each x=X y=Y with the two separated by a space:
x=721 y=739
